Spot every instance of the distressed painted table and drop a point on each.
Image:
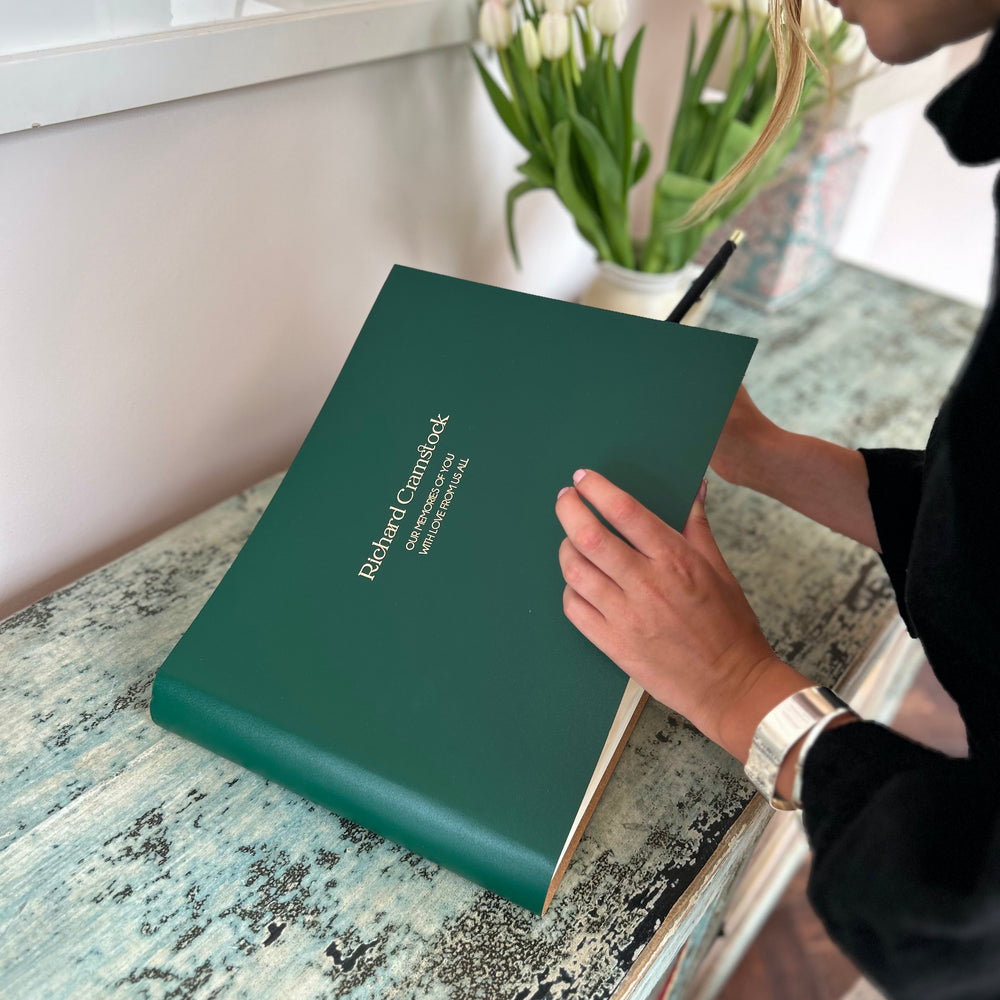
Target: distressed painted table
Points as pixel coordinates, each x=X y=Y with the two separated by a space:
x=137 y=865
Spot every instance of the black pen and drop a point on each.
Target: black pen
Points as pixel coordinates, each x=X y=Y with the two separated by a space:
x=711 y=272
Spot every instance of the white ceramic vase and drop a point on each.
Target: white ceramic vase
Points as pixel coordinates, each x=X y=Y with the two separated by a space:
x=643 y=294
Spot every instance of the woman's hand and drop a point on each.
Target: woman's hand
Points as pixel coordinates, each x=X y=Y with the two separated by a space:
x=665 y=607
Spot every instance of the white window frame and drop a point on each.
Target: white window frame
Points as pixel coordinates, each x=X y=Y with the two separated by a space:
x=79 y=81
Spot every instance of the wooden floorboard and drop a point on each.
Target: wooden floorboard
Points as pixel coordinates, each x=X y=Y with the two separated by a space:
x=793 y=958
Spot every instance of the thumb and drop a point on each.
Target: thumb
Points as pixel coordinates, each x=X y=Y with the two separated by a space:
x=698 y=533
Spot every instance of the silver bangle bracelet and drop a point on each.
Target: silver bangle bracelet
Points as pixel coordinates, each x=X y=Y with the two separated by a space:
x=807 y=745
x=780 y=730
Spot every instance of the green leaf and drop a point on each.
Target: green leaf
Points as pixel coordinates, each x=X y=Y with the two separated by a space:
x=598 y=156
x=738 y=138
x=591 y=85
x=512 y=195
x=668 y=248
x=764 y=171
x=629 y=66
x=538 y=171
x=775 y=156
x=587 y=220
x=690 y=136
x=688 y=62
x=684 y=146
x=560 y=105
x=707 y=163
x=709 y=56
x=503 y=106
x=616 y=130
x=593 y=101
x=527 y=84
x=609 y=186
x=686 y=107
x=641 y=163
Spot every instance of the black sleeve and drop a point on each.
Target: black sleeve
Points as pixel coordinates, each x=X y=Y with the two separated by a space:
x=895 y=480
x=906 y=862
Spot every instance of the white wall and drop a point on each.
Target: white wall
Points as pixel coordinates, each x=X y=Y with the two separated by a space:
x=917 y=215
x=180 y=284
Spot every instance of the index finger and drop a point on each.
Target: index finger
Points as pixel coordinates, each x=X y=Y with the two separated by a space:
x=638 y=525
x=614 y=557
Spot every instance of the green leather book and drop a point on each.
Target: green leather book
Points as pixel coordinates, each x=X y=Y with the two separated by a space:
x=390 y=641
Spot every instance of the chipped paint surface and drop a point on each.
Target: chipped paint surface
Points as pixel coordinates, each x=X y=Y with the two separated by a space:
x=135 y=864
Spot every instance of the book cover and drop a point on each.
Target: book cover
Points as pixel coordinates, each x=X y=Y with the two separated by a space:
x=390 y=641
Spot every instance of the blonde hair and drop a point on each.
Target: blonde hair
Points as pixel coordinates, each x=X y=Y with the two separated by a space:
x=792 y=53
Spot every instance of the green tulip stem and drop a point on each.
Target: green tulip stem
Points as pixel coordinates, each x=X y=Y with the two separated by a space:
x=509 y=77
x=752 y=46
x=568 y=81
x=586 y=33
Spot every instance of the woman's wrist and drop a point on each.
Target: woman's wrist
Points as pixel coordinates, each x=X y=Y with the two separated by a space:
x=767 y=684
x=774 y=725
x=825 y=481
x=751 y=465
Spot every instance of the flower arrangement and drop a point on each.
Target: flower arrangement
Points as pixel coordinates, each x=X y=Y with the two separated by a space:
x=563 y=96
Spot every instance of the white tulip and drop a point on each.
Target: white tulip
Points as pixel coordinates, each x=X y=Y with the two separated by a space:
x=532 y=51
x=553 y=35
x=560 y=6
x=819 y=16
x=608 y=16
x=495 y=26
x=852 y=47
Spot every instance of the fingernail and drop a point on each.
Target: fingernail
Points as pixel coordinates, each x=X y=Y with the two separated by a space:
x=703 y=490
x=561 y=492
x=578 y=475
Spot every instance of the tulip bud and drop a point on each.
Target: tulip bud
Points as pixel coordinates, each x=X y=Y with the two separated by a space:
x=560 y=6
x=608 y=16
x=553 y=35
x=495 y=26
x=529 y=40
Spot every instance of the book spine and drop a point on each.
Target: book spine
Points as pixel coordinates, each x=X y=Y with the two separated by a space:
x=442 y=835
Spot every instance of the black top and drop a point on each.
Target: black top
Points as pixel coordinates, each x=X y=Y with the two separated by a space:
x=906 y=841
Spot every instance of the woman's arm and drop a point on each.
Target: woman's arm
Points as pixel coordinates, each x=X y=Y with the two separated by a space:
x=665 y=607
x=824 y=481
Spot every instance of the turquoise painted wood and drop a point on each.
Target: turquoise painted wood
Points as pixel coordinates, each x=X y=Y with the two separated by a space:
x=134 y=864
